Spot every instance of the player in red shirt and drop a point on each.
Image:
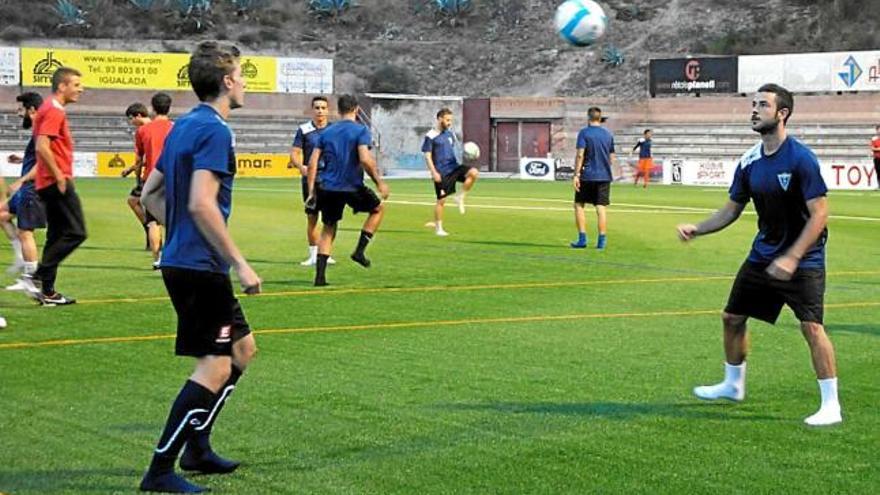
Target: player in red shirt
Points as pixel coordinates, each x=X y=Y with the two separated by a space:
x=149 y=140
x=54 y=183
x=875 y=148
x=138 y=116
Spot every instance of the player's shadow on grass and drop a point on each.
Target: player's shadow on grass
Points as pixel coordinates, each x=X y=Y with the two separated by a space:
x=91 y=247
x=107 y=480
x=519 y=244
x=863 y=328
x=620 y=410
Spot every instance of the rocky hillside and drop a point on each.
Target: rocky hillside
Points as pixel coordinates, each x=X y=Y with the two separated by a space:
x=499 y=47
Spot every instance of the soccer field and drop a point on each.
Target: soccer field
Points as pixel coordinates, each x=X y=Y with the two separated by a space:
x=496 y=360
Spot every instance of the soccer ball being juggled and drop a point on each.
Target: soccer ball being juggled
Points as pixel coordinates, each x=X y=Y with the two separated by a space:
x=580 y=22
x=471 y=151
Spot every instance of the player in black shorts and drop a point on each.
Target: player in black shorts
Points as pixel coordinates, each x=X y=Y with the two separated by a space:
x=344 y=148
x=786 y=265
x=438 y=148
x=199 y=162
x=592 y=176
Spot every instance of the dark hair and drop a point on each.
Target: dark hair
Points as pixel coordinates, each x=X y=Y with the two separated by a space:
x=595 y=114
x=161 y=103
x=443 y=112
x=346 y=104
x=208 y=65
x=30 y=100
x=646 y=131
x=320 y=98
x=784 y=98
x=62 y=75
x=136 y=110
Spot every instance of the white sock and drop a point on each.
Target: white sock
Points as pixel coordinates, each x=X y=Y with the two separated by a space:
x=16 y=246
x=439 y=226
x=828 y=391
x=313 y=252
x=735 y=374
x=30 y=267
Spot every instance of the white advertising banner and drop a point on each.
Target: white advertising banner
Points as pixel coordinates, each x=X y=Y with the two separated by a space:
x=817 y=72
x=537 y=168
x=11 y=168
x=84 y=164
x=10 y=66
x=837 y=174
x=856 y=174
x=305 y=75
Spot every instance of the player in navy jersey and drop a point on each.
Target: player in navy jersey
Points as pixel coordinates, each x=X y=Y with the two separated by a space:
x=786 y=264
x=344 y=150
x=191 y=188
x=25 y=204
x=646 y=160
x=303 y=145
x=592 y=176
x=438 y=148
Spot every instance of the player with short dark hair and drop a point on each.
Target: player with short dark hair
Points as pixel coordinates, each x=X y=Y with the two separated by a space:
x=786 y=264
x=191 y=188
x=148 y=142
x=438 y=148
x=138 y=116
x=646 y=160
x=25 y=204
x=344 y=150
x=54 y=184
x=301 y=152
x=592 y=176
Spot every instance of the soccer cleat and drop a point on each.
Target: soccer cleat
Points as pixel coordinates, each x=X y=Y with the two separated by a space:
x=459 y=200
x=169 y=482
x=308 y=262
x=431 y=224
x=602 y=242
x=157 y=265
x=17 y=286
x=579 y=244
x=720 y=391
x=441 y=232
x=360 y=259
x=331 y=261
x=826 y=416
x=57 y=299
x=321 y=282
x=32 y=288
x=207 y=463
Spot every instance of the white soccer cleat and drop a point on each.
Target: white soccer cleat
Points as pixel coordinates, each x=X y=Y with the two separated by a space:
x=431 y=224
x=2 y=322
x=17 y=286
x=441 y=232
x=826 y=416
x=720 y=391
x=459 y=200
x=331 y=261
x=308 y=262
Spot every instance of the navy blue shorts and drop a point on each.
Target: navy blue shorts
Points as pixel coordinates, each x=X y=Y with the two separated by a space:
x=30 y=214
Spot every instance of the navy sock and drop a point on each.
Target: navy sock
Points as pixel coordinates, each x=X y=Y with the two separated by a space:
x=365 y=239
x=200 y=440
x=189 y=411
x=321 y=268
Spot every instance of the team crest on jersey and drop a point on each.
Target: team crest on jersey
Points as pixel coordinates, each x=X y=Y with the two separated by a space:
x=784 y=180
x=224 y=335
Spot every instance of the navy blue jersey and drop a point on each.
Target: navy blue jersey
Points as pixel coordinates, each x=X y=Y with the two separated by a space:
x=599 y=144
x=644 y=146
x=780 y=185
x=306 y=137
x=29 y=162
x=339 y=143
x=200 y=140
x=441 y=145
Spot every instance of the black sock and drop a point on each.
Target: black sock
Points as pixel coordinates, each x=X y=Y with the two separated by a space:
x=365 y=239
x=321 y=267
x=189 y=411
x=200 y=440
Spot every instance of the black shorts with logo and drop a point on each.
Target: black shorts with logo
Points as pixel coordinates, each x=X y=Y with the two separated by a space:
x=332 y=203
x=594 y=193
x=30 y=214
x=209 y=317
x=446 y=186
x=305 y=191
x=758 y=295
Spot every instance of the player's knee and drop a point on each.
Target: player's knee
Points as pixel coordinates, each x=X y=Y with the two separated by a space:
x=733 y=322
x=473 y=173
x=812 y=330
x=244 y=352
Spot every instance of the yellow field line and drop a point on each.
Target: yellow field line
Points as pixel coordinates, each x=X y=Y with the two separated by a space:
x=410 y=324
x=437 y=288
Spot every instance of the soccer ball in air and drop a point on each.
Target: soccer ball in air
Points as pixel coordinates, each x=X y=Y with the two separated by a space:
x=580 y=22
x=471 y=150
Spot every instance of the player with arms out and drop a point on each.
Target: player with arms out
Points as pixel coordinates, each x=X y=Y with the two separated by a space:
x=786 y=264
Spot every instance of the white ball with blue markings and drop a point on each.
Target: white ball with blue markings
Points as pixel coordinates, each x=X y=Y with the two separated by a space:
x=580 y=22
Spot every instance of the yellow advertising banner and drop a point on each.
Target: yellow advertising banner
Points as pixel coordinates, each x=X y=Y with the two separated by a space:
x=111 y=164
x=133 y=70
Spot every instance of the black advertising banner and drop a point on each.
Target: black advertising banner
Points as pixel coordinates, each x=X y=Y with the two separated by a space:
x=693 y=75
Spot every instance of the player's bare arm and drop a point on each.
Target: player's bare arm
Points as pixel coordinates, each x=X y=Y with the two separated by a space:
x=369 y=164
x=725 y=216
x=429 y=161
x=578 y=166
